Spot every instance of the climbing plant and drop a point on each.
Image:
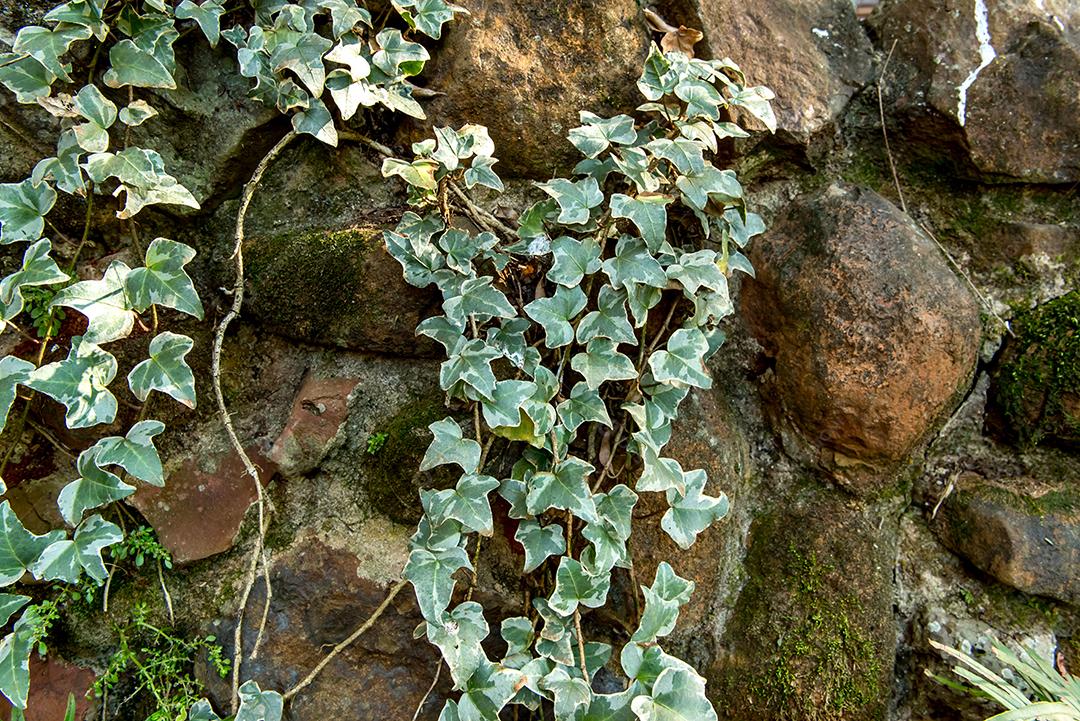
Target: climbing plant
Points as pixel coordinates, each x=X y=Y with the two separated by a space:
x=572 y=341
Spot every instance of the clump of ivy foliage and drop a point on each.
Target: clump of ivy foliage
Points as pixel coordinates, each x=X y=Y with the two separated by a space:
x=573 y=343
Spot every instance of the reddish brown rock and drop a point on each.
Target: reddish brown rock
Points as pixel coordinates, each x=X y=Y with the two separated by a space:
x=318 y=413
x=872 y=334
x=199 y=511
x=51 y=683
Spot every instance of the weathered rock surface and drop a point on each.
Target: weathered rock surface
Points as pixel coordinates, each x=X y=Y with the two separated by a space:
x=872 y=334
x=524 y=68
x=1006 y=71
x=315 y=422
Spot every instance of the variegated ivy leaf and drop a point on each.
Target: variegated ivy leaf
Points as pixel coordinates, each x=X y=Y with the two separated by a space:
x=208 y=16
x=448 y=446
x=87 y=13
x=575 y=198
x=37 y=269
x=28 y=79
x=100 y=114
x=135 y=452
x=13 y=371
x=555 y=313
x=696 y=270
x=517 y=632
x=65 y=560
x=698 y=188
x=418 y=173
x=609 y=535
x=489 y=690
x=466 y=503
x=699 y=131
x=504 y=408
x=64 y=168
x=710 y=307
x=479 y=299
x=459 y=637
x=611 y=707
x=596 y=134
x=80 y=382
x=21 y=548
x=633 y=263
x=419 y=258
x=677 y=695
x=741 y=229
x=616 y=508
x=461 y=247
x=659 y=474
x=49 y=46
x=575 y=586
x=142 y=178
x=509 y=339
x=657 y=79
x=634 y=163
x=23 y=207
x=470 y=365
x=344 y=14
x=583 y=406
x=104 y=303
x=608 y=320
x=573 y=260
x=202 y=711
x=93 y=488
x=302 y=54
x=570 y=693
x=685 y=155
x=648 y=211
x=166 y=370
x=691 y=512
x=565 y=488
x=702 y=99
x=448 y=332
x=755 y=101
x=513 y=491
x=681 y=361
x=15 y=652
x=662 y=602
x=316 y=120
x=145 y=61
x=432 y=575
x=602 y=362
x=348 y=92
x=427 y=16
x=539 y=542
x=10 y=603
x=480 y=172
x=259 y=705
x=641 y=299
x=397 y=57
x=164 y=281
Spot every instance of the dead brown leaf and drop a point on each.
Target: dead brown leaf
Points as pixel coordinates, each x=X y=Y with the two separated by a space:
x=684 y=39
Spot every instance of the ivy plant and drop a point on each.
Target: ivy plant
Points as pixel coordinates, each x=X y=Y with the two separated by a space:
x=572 y=341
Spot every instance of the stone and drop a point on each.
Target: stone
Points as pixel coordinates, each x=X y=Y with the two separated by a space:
x=872 y=335
x=812 y=634
x=52 y=682
x=199 y=511
x=1030 y=541
x=524 y=68
x=317 y=417
x=1003 y=73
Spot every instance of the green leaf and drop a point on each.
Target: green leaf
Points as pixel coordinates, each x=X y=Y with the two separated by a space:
x=478 y=298
x=302 y=54
x=657 y=78
x=166 y=370
x=397 y=57
x=259 y=705
x=648 y=212
x=15 y=652
x=470 y=365
x=602 y=362
x=570 y=693
x=37 y=269
x=583 y=406
x=207 y=15
x=677 y=695
x=142 y=177
x=685 y=155
x=461 y=247
x=316 y=121
x=632 y=263
x=573 y=260
x=488 y=691
x=610 y=707
x=135 y=452
x=755 y=101
x=95 y=487
x=702 y=99
x=691 y=512
x=136 y=113
x=608 y=320
x=681 y=362
x=597 y=134
x=539 y=542
x=419 y=173
x=10 y=604
x=662 y=602
x=104 y=303
x=449 y=447
x=696 y=270
x=432 y=575
x=65 y=560
x=504 y=408
x=13 y=371
x=459 y=637
x=164 y=281
x=480 y=173
x=554 y=314
x=80 y=382
x=566 y=488
x=659 y=474
x=575 y=198
x=132 y=65
x=202 y=711
x=87 y=13
x=64 y=168
x=25 y=77
x=19 y=548
x=466 y=503
x=698 y=188
x=634 y=163
x=428 y=16
x=48 y=46
x=23 y=207
x=641 y=299
x=575 y=586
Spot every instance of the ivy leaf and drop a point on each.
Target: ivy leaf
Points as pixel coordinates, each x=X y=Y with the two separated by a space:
x=164 y=281
x=554 y=314
x=202 y=711
x=681 y=362
x=432 y=575
x=602 y=362
x=136 y=113
x=698 y=188
x=662 y=602
x=616 y=508
x=608 y=320
x=21 y=548
x=25 y=77
x=573 y=260
x=697 y=270
x=132 y=65
x=575 y=586
x=480 y=173
x=80 y=382
x=302 y=54
x=685 y=155
x=634 y=163
x=461 y=247
x=166 y=370
x=23 y=207
x=513 y=492
x=691 y=512
x=570 y=693
x=597 y=134
x=15 y=652
x=418 y=257
x=142 y=177
x=207 y=15
x=517 y=632
x=448 y=332
x=539 y=542
x=648 y=212
x=94 y=487
x=427 y=16
x=13 y=371
x=755 y=100
x=64 y=168
x=104 y=303
x=87 y=13
x=65 y=560
x=316 y=121
x=466 y=503
x=100 y=114
x=135 y=452
x=397 y=57
x=702 y=99
x=37 y=269
x=575 y=198
x=657 y=79
x=48 y=46
x=609 y=535
x=633 y=263
x=660 y=474
x=471 y=366
x=10 y=604
x=259 y=705
x=459 y=637
x=565 y=488
x=583 y=406
x=478 y=298
x=449 y=447
x=419 y=173
x=504 y=408
x=489 y=689
x=611 y=707
x=677 y=695
x=641 y=299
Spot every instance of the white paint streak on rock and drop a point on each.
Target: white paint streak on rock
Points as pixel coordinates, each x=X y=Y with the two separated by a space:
x=986 y=56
